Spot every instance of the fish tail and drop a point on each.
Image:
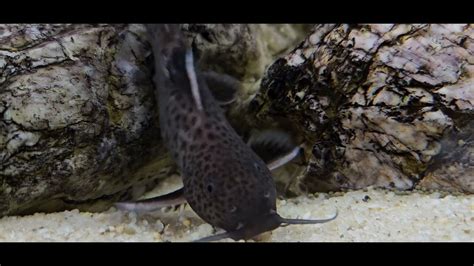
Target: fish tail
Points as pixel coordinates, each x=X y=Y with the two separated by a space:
x=164 y=37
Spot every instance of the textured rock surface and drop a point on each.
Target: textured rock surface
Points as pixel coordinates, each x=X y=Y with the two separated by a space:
x=77 y=115
x=78 y=126
x=383 y=105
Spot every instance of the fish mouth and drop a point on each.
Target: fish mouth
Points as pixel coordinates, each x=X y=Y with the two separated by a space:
x=261 y=225
x=257 y=226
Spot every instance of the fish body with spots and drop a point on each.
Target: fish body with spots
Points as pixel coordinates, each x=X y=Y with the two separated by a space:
x=225 y=182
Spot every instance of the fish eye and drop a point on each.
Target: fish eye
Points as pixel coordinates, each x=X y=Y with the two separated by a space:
x=257 y=166
x=210 y=187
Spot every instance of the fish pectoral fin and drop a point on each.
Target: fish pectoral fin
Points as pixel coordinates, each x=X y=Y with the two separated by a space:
x=284 y=159
x=275 y=147
x=215 y=237
x=152 y=204
x=223 y=87
x=235 y=235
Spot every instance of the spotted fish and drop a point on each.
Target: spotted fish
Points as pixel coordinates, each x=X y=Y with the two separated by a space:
x=225 y=182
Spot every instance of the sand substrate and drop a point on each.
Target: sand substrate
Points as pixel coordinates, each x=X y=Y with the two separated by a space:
x=364 y=215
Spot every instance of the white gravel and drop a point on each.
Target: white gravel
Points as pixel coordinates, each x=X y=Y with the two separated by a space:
x=382 y=216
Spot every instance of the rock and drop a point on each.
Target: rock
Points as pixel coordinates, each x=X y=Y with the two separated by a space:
x=452 y=168
x=376 y=104
x=78 y=121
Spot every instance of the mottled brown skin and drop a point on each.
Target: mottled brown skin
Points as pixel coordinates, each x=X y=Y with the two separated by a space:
x=225 y=183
